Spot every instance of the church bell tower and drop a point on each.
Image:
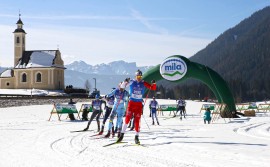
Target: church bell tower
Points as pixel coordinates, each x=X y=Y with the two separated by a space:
x=19 y=41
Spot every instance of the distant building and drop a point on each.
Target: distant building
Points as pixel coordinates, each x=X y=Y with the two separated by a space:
x=39 y=69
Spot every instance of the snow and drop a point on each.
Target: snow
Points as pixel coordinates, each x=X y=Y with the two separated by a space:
x=28 y=139
x=41 y=59
x=6 y=73
x=38 y=92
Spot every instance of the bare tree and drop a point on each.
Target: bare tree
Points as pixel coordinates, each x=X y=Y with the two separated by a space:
x=87 y=85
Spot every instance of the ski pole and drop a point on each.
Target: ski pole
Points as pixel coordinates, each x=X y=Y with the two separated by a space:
x=145 y=103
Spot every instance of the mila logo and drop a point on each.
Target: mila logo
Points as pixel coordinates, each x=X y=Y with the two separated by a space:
x=173 y=68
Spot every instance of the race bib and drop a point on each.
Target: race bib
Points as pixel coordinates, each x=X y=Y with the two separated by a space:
x=96 y=107
x=153 y=106
x=136 y=96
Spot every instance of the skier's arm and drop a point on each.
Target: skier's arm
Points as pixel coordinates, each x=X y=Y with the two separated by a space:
x=126 y=95
x=152 y=86
x=103 y=101
x=111 y=94
x=128 y=82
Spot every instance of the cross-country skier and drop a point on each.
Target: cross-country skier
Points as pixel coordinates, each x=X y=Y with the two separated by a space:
x=108 y=108
x=153 y=105
x=181 y=106
x=96 y=105
x=136 y=90
x=121 y=98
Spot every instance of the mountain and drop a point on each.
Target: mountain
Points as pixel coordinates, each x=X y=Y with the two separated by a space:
x=107 y=75
x=241 y=55
x=104 y=83
x=114 y=68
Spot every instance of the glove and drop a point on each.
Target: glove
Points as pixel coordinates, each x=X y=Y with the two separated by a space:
x=127 y=79
x=153 y=81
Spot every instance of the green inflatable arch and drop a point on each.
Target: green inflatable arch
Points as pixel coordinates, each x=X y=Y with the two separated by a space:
x=178 y=68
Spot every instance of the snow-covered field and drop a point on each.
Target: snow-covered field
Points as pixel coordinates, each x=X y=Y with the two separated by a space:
x=29 y=140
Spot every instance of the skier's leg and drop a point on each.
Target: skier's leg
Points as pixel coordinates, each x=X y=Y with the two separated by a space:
x=113 y=113
x=156 y=117
x=153 y=118
x=129 y=114
x=91 y=119
x=137 y=116
x=106 y=116
x=120 y=114
x=98 y=122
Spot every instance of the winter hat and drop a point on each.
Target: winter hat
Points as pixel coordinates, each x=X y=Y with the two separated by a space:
x=138 y=72
x=123 y=85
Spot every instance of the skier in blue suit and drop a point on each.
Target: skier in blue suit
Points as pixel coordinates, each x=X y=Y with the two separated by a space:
x=119 y=107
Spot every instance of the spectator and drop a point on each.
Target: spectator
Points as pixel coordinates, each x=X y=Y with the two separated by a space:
x=207 y=116
x=71 y=115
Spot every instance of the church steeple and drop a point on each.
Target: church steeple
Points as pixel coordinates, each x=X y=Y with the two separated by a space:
x=19 y=41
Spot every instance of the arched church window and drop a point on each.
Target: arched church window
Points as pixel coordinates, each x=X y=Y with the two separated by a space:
x=18 y=39
x=24 y=79
x=38 y=77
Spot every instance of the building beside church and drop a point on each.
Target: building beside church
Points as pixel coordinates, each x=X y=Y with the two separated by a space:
x=39 y=69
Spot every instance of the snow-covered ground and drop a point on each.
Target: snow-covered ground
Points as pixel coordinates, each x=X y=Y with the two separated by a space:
x=29 y=140
x=33 y=91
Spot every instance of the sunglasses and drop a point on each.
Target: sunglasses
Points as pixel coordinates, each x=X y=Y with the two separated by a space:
x=138 y=76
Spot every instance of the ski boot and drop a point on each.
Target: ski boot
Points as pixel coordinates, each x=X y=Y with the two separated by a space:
x=158 y=123
x=120 y=138
x=108 y=134
x=102 y=129
x=153 y=123
x=113 y=133
x=115 y=130
x=98 y=125
x=137 y=141
x=118 y=132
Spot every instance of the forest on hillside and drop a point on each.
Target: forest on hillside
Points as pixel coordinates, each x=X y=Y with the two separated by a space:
x=241 y=55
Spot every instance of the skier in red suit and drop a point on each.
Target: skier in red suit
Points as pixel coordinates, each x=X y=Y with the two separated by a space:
x=136 y=90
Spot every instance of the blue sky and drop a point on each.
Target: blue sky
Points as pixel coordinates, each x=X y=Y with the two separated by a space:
x=102 y=31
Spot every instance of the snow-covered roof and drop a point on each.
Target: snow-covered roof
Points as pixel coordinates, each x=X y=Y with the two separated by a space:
x=6 y=74
x=41 y=58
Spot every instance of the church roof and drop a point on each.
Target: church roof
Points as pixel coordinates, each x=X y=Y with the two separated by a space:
x=38 y=58
x=19 y=30
x=19 y=21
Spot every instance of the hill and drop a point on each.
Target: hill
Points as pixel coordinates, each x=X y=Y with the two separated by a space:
x=241 y=55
